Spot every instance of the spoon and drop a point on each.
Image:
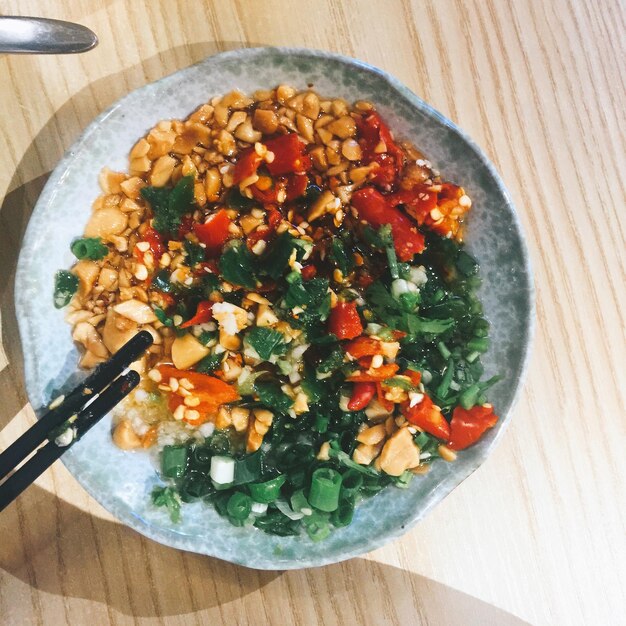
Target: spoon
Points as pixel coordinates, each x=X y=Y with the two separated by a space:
x=37 y=35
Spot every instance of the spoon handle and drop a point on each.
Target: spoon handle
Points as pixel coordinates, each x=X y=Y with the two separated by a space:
x=36 y=35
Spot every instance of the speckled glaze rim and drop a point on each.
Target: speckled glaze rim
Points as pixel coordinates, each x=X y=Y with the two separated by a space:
x=123 y=513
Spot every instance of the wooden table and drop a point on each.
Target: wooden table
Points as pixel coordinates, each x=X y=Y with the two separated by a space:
x=538 y=533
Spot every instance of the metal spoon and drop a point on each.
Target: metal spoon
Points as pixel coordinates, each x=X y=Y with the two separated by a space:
x=37 y=35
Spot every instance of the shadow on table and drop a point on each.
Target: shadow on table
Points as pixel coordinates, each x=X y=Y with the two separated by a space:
x=71 y=553
x=59 y=549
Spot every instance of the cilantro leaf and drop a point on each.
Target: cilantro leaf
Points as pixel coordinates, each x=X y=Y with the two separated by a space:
x=266 y=341
x=167 y=497
x=340 y=255
x=237 y=264
x=195 y=253
x=170 y=204
x=272 y=396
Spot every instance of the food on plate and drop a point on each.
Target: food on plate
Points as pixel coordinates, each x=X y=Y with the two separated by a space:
x=317 y=333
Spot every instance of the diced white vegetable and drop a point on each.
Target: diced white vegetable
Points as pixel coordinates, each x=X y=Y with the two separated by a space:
x=285 y=509
x=206 y=430
x=400 y=286
x=417 y=275
x=373 y=329
x=259 y=508
x=222 y=470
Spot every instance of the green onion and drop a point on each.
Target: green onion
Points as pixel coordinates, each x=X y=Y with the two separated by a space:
x=444 y=386
x=443 y=350
x=239 y=506
x=351 y=482
x=344 y=513
x=268 y=491
x=468 y=398
x=209 y=363
x=299 y=503
x=317 y=526
x=404 y=479
x=478 y=344
x=90 y=248
x=65 y=286
x=249 y=468
x=325 y=487
x=321 y=423
x=472 y=356
x=174 y=461
x=196 y=485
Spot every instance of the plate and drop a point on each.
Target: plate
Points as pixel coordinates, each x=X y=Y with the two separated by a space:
x=122 y=481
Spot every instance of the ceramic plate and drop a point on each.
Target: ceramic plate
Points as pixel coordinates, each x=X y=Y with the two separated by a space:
x=122 y=481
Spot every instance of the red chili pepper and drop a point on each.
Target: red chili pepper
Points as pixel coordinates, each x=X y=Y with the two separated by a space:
x=363 y=346
x=344 y=321
x=289 y=155
x=204 y=313
x=418 y=201
x=372 y=131
x=380 y=396
x=157 y=246
x=268 y=195
x=374 y=209
x=186 y=226
x=214 y=232
x=468 y=426
x=415 y=377
x=362 y=394
x=247 y=165
x=428 y=418
x=376 y=375
x=296 y=186
x=274 y=218
x=308 y=272
x=261 y=233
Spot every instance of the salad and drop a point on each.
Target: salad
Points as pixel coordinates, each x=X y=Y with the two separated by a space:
x=317 y=331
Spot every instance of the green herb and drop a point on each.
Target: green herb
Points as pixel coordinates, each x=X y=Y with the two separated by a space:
x=195 y=253
x=385 y=236
x=272 y=396
x=237 y=264
x=268 y=491
x=167 y=497
x=161 y=282
x=89 y=248
x=174 y=461
x=170 y=204
x=277 y=259
x=317 y=526
x=402 y=383
x=209 y=363
x=235 y=200
x=161 y=315
x=65 y=286
x=311 y=294
x=239 y=506
x=340 y=255
x=266 y=341
x=332 y=362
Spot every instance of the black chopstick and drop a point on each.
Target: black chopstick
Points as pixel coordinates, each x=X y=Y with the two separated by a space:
x=84 y=420
x=70 y=419
x=102 y=376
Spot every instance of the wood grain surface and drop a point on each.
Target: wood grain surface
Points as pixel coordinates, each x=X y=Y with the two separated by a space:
x=537 y=534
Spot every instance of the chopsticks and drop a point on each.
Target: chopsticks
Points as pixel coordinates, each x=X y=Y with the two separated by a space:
x=72 y=416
